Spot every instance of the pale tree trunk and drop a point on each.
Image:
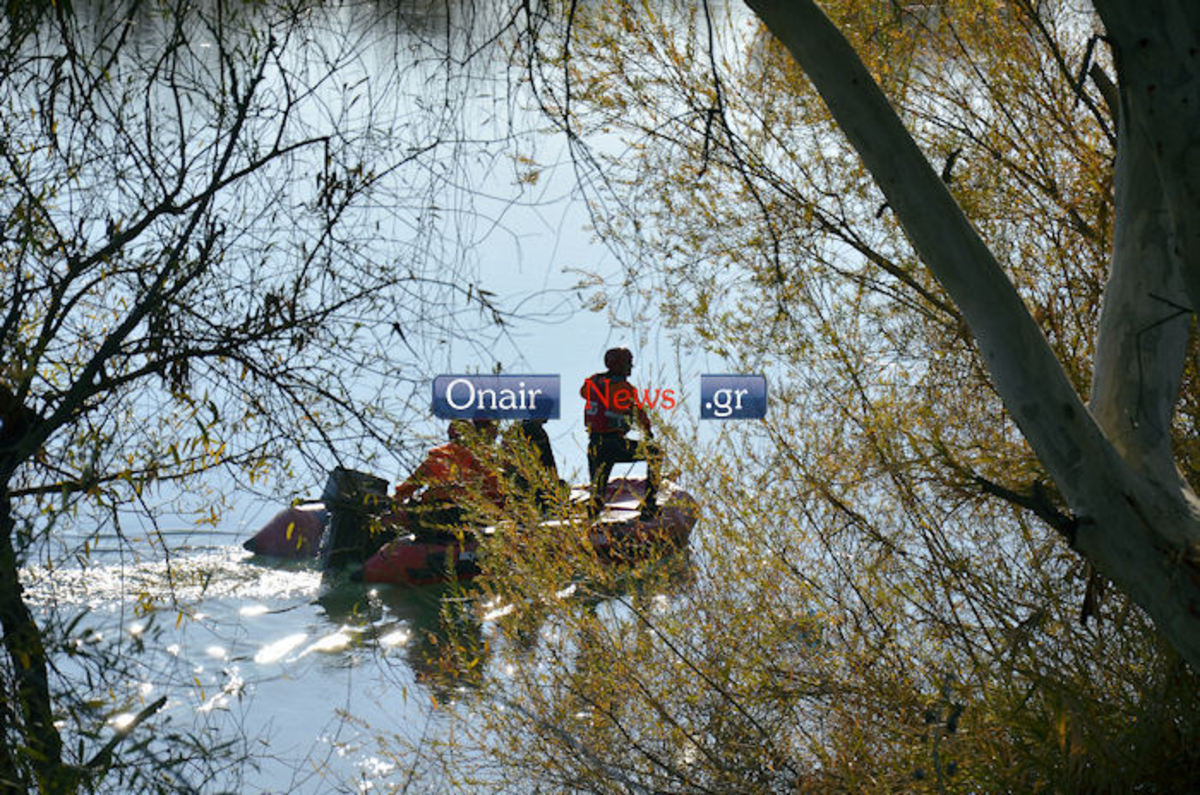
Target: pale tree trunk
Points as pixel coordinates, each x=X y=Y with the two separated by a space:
x=1156 y=258
x=1141 y=345
x=1156 y=45
x=1138 y=522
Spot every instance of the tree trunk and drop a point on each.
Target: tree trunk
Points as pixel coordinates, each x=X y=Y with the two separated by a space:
x=33 y=715
x=1141 y=532
x=1156 y=47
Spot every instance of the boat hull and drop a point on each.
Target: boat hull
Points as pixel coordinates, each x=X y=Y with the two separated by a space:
x=618 y=534
x=293 y=534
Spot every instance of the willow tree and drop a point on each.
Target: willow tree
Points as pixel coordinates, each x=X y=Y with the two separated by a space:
x=191 y=283
x=905 y=565
x=1134 y=514
x=1129 y=508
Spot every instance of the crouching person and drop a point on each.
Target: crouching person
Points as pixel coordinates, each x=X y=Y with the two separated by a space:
x=455 y=486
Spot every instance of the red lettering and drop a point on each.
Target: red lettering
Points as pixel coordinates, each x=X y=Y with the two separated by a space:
x=624 y=397
x=592 y=390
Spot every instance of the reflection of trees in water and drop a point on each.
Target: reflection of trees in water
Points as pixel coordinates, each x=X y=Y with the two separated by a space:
x=522 y=615
x=447 y=647
x=553 y=652
x=444 y=647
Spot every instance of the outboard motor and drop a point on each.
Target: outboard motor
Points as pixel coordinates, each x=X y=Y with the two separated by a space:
x=354 y=500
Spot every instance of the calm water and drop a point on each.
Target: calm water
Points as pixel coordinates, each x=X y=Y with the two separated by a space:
x=326 y=686
x=306 y=673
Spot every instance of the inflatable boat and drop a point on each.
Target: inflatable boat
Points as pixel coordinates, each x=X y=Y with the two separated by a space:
x=294 y=533
x=349 y=527
x=618 y=533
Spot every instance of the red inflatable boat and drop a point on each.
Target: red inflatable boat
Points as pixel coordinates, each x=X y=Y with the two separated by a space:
x=293 y=533
x=618 y=533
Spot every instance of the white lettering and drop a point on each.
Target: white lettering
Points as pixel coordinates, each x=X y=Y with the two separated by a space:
x=462 y=394
x=450 y=394
x=727 y=401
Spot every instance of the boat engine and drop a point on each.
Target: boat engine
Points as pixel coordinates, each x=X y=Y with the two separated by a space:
x=355 y=501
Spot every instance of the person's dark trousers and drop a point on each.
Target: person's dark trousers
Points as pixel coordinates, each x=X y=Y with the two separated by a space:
x=606 y=449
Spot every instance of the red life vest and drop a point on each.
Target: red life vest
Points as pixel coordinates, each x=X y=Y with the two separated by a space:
x=447 y=471
x=610 y=404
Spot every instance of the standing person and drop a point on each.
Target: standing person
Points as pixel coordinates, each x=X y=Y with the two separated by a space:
x=535 y=431
x=610 y=409
x=530 y=462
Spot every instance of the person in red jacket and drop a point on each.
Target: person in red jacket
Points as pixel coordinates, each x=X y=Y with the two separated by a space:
x=452 y=480
x=610 y=410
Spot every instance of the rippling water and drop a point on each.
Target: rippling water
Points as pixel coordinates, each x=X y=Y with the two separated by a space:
x=306 y=673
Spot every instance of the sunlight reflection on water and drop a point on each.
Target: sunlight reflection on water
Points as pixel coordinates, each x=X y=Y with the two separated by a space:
x=274 y=652
x=213 y=574
x=394 y=639
x=271 y=654
x=338 y=641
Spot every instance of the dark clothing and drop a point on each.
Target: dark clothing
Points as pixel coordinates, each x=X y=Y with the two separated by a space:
x=436 y=521
x=545 y=484
x=535 y=432
x=606 y=449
